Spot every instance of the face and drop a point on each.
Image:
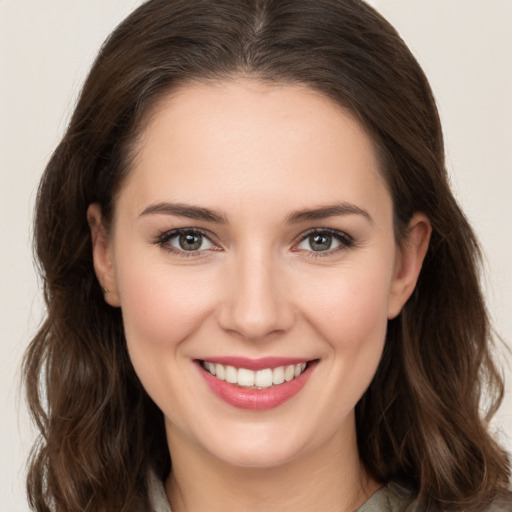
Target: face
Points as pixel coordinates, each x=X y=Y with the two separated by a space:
x=253 y=239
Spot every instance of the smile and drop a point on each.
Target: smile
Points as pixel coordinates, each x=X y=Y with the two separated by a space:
x=269 y=382
x=259 y=379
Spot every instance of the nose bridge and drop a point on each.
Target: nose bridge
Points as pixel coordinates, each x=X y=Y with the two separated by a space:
x=257 y=303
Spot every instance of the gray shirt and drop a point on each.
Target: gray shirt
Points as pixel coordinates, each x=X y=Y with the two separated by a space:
x=389 y=498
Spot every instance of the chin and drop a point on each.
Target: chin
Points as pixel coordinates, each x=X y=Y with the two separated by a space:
x=270 y=456
x=260 y=447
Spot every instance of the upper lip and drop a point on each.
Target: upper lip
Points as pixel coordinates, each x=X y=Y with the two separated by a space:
x=256 y=364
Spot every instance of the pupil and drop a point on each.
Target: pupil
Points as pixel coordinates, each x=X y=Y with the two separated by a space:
x=320 y=242
x=190 y=242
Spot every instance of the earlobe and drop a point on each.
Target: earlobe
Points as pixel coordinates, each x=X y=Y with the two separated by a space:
x=408 y=264
x=102 y=255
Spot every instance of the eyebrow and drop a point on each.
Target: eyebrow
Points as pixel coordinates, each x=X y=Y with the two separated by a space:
x=182 y=210
x=198 y=213
x=324 y=212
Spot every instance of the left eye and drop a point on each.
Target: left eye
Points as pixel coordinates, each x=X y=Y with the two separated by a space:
x=323 y=241
x=188 y=241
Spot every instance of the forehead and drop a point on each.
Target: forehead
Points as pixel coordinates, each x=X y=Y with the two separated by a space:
x=240 y=138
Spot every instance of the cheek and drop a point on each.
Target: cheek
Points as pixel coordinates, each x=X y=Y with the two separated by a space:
x=351 y=317
x=349 y=312
x=162 y=304
x=350 y=307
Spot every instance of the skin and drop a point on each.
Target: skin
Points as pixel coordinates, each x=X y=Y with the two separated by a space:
x=255 y=154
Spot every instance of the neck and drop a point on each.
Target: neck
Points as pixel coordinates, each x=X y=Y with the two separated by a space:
x=329 y=477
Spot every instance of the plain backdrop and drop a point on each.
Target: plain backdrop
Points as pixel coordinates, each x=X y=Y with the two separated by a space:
x=46 y=48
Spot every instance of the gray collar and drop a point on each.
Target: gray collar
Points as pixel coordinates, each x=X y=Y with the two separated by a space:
x=389 y=498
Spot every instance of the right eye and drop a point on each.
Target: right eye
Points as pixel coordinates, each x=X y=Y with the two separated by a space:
x=185 y=242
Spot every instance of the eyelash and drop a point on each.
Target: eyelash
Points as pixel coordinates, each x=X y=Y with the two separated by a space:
x=345 y=241
x=164 y=238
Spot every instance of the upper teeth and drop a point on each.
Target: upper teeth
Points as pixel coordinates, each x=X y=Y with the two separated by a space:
x=260 y=378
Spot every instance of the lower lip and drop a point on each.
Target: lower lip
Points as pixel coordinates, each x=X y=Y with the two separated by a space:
x=256 y=399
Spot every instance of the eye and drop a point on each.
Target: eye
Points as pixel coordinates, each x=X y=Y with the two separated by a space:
x=324 y=241
x=185 y=241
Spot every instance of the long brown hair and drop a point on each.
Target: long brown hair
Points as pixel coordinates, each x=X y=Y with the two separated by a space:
x=420 y=422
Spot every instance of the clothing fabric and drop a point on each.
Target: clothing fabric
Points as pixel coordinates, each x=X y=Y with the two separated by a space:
x=389 y=498
x=159 y=502
x=384 y=500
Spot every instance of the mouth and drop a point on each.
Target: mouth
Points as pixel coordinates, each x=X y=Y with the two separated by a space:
x=264 y=378
x=268 y=382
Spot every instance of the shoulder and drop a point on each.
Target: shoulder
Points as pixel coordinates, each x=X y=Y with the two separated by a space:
x=502 y=503
x=157 y=496
x=390 y=498
x=395 y=498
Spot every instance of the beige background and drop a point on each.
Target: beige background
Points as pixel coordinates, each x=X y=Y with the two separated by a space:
x=46 y=47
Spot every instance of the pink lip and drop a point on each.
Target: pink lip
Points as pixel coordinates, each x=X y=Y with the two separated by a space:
x=256 y=399
x=256 y=364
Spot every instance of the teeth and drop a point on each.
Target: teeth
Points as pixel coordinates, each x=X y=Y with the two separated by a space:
x=260 y=379
x=289 y=373
x=220 y=372
x=278 y=375
x=231 y=375
x=263 y=378
x=246 y=378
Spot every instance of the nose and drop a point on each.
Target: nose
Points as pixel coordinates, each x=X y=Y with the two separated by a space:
x=257 y=303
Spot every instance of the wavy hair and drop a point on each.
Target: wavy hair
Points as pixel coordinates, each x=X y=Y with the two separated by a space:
x=420 y=423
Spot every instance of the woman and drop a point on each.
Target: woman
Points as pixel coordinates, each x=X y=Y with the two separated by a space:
x=261 y=292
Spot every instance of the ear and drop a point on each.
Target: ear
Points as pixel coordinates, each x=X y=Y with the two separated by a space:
x=102 y=255
x=409 y=260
